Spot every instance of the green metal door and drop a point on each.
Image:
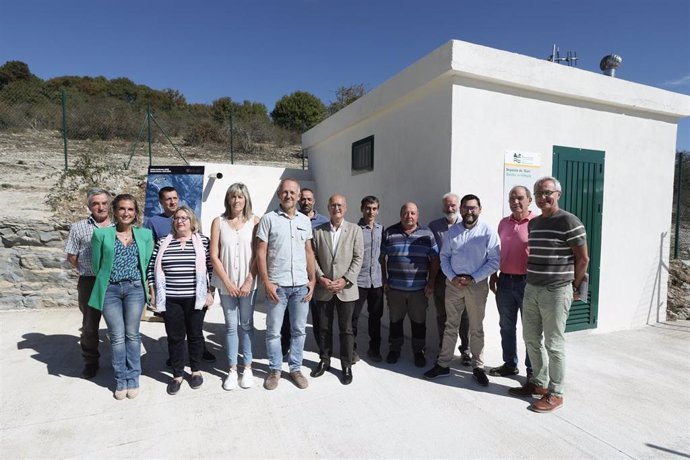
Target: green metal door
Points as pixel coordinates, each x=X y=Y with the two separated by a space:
x=581 y=173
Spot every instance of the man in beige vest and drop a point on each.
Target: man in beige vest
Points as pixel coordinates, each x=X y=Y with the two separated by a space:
x=338 y=248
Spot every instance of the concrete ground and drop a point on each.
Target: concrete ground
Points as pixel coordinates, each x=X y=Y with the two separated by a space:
x=627 y=397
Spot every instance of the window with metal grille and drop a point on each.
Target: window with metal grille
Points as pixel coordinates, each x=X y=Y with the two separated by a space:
x=363 y=155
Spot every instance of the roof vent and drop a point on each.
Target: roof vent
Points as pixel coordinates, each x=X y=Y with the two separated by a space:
x=610 y=63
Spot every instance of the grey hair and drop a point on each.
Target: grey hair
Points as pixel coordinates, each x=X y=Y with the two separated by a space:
x=526 y=189
x=548 y=179
x=92 y=192
x=448 y=195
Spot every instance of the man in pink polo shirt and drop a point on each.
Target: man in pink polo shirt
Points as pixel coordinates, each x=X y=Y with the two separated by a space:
x=509 y=283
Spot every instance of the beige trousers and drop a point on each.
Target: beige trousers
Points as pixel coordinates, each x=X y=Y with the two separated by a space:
x=473 y=299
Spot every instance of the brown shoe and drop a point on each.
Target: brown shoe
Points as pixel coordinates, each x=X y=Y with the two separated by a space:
x=271 y=383
x=528 y=389
x=300 y=380
x=548 y=403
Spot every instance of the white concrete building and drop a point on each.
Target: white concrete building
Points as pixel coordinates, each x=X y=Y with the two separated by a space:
x=449 y=121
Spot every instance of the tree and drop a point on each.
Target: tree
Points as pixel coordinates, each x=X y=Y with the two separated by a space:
x=298 y=111
x=14 y=70
x=346 y=95
x=247 y=111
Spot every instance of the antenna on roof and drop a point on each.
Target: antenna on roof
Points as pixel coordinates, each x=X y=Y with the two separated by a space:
x=570 y=57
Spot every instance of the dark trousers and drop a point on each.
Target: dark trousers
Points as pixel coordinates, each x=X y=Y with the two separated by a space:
x=325 y=312
x=285 y=329
x=412 y=304
x=90 y=321
x=374 y=299
x=440 y=302
x=181 y=318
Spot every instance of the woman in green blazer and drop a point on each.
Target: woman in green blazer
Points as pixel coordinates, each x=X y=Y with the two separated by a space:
x=120 y=256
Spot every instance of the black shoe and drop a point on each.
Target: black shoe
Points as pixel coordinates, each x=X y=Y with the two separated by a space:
x=168 y=362
x=393 y=357
x=90 y=371
x=355 y=357
x=480 y=376
x=375 y=355
x=466 y=358
x=174 y=387
x=208 y=357
x=320 y=368
x=347 y=375
x=419 y=359
x=503 y=371
x=436 y=372
x=196 y=381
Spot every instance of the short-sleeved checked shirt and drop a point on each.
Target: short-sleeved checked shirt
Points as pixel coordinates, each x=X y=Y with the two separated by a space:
x=286 y=238
x=79 y=244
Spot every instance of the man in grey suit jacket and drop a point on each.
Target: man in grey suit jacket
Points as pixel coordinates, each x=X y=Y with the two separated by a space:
x=338 y=248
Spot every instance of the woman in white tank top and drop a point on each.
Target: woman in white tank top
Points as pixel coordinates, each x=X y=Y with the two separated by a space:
x=234 y=275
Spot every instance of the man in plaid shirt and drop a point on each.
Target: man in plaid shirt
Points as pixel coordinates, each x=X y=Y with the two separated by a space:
x=78 y=250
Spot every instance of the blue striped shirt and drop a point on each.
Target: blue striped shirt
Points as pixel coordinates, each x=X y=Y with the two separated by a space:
x=408 y=256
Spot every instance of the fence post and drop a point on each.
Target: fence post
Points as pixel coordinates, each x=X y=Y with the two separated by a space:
x=64 y=125
x=678 y=200
x=148 y=121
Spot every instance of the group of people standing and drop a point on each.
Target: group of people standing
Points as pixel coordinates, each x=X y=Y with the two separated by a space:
x=331 y=267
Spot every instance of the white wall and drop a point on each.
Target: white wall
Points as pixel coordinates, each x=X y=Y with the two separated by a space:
x=639 y=152
x=411 y=156
x=261 y=181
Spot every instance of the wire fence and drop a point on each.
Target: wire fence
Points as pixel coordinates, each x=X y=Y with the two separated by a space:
x=162 y=127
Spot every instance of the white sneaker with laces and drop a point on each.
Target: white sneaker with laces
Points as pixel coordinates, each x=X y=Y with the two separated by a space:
x=230 y=382
x=247 y=379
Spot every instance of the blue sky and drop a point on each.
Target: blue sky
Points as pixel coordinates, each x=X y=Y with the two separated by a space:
x=261 y=50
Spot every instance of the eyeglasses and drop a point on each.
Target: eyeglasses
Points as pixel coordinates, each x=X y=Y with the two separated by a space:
x=545 y=193
x=181 y=219
x=469 y=208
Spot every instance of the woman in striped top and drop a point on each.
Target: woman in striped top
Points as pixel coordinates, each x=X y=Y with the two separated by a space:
x=232 y=254
x=179 y=275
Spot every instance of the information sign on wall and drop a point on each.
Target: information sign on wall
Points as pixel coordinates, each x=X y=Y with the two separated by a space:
x=520 y=168
x=187 y=180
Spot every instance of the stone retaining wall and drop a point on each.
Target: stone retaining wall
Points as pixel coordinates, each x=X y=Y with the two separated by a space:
x=34 y=272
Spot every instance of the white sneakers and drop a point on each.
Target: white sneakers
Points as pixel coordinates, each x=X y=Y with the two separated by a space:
x=230 y=382
x=246 y=380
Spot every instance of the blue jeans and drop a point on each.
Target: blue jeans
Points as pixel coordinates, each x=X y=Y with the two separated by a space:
x=290 y=298
x=122 y=308
x=509 y=293
x=239 y=311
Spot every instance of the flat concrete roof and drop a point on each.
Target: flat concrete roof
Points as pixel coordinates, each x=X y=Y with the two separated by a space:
x=626 y=398
x=477 y=62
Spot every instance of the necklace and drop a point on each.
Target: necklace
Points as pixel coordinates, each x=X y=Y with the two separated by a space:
x=124 y=236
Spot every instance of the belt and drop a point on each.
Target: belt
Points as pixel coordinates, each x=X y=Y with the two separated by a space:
x=508 y=275
x=123 y=281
